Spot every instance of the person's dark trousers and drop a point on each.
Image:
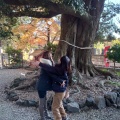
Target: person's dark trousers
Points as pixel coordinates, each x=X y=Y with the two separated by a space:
x=43 y=106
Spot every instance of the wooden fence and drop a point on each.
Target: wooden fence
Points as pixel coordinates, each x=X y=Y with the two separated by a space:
x=98 y=60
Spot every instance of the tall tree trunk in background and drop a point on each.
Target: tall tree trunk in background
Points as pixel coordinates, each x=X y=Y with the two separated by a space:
x=83 y=36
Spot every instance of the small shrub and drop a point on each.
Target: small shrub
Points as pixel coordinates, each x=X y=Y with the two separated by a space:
x=15 y=56
x=114 y=54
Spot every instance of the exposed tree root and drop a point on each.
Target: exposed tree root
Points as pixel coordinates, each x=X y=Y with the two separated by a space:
x=76 y=91
x=25 y=86
x=31 y=78
x=103 y=82
x=83 y=86
x=105 y=73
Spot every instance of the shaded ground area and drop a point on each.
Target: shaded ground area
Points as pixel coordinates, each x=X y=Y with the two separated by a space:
x=10 y=111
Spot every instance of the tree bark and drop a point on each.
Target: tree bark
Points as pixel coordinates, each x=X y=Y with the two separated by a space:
x=83 y=36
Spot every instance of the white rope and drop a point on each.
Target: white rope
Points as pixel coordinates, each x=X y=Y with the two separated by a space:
x=76 y=46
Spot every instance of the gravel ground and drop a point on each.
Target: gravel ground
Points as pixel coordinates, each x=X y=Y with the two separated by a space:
x=10 y=111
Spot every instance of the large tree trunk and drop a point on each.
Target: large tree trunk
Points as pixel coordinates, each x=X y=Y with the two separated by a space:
x=80 y=33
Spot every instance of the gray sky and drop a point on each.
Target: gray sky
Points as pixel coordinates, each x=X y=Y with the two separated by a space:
x=114 y=1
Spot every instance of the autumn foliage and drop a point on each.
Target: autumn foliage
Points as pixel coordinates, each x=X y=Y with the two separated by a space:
x=35 y=33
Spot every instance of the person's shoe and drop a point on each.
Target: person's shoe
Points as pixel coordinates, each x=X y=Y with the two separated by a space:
x=47 y=115
x=43 y=118
x=64 y=118
x=48 y=118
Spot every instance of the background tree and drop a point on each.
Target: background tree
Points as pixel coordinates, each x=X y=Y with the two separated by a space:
x=114 y=54
x=15 y=56
x=6 y=25
x=79 y=24
x=36 y=33
x=110 y=37
x=114 y=42
x=108 y=22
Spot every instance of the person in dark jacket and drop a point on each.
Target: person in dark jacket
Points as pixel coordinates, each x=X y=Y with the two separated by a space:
x=59 y=77
x=43 y=85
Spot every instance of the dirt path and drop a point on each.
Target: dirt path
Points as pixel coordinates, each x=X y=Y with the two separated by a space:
x=10 y=111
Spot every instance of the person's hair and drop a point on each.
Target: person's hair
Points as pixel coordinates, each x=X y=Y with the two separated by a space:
x=65 y=65
x=46 y=55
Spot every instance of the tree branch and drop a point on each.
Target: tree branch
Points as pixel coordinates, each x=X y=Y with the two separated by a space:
x=54 y=7
x=31 y=14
